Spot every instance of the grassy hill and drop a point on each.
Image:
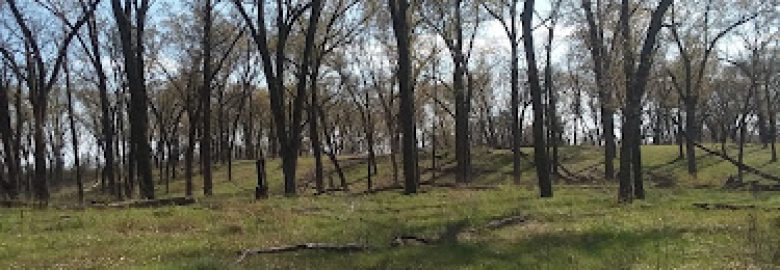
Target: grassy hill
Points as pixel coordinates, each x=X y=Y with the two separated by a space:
x=582 y=227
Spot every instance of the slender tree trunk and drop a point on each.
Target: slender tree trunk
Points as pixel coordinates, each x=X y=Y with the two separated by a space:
x=314 y=135
x=40 y=183
x=540 y=153
x=106 y=122
x=331 y=150
x=598 y=52
x=10 y=150
x=73 y=134
x=552 y=106
x=639 y=189
x=772 y=122
x=205 y=98
x=742 y=139
x=691 y=134
x=517 y=133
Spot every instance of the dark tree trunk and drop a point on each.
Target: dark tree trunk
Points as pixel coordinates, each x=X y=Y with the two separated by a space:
x=691 y=134
x=10 y=150
x=636 y=82
x=772 y=113
x=189 y=155
x=598 y=51
x=40 y=185
x=314 y=135
x=401 y=28
x=205 y=98
x=540 y=147
x=552 y=105
x=331 y=150
x=517 y=133
x=132 y=49
x=73 y=134
x=462 y=100
x=369 y=129
x=106 y=122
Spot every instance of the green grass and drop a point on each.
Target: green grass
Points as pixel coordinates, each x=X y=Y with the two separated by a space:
x=581 y=228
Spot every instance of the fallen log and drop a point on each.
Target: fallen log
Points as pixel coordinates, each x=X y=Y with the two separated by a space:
x=436 y=185
x=722 y=206
x=740 y=165
x=351 y=247
x=178 y=201
x=460 y=186
x=411 y=240
x=507 y=221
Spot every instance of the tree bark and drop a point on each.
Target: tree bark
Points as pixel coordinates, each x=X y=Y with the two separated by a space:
x=132 y=49
x=399 y=12
x=636 y=82
x=73 y=134
x=205 y=98
x=598 y=52
x=314 y=135
x=540 y=147
x=11 y=151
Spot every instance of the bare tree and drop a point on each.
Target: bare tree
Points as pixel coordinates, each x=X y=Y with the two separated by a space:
x=540 y=146
x=695 y=58
x=600 y=50
x=288 y=135
x=40 y=81
x=399 y=10
x=131 y=35
x=636 y=77
x=506 y=14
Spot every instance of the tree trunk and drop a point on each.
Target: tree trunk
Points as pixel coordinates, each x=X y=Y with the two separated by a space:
x=205 y=98
x=331 y=150
x=10 y=150
x=134 y=70
x=552 y=105
x=596 y=46
x=636 y=82
x=540 y=153
x=399 y=10
x=517 y=134
x=691 y=134
x=40 y=184
x=106 y=122
x=73 y=134
x=314 y=135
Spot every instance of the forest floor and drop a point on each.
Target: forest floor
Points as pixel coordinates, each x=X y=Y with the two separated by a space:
x=444 y=227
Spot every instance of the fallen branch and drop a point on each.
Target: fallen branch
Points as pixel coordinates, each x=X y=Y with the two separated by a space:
x=351 y=247
x=460 y=186
x=411 y=240
x=722 y=206
x=179 y=201
x=740 y=165
x=507 y=221
x=572 y=176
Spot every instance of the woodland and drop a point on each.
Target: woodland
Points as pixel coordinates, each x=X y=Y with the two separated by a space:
x=389 y=134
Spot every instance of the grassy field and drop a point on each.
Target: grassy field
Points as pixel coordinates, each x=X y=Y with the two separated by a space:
x=582 y=227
